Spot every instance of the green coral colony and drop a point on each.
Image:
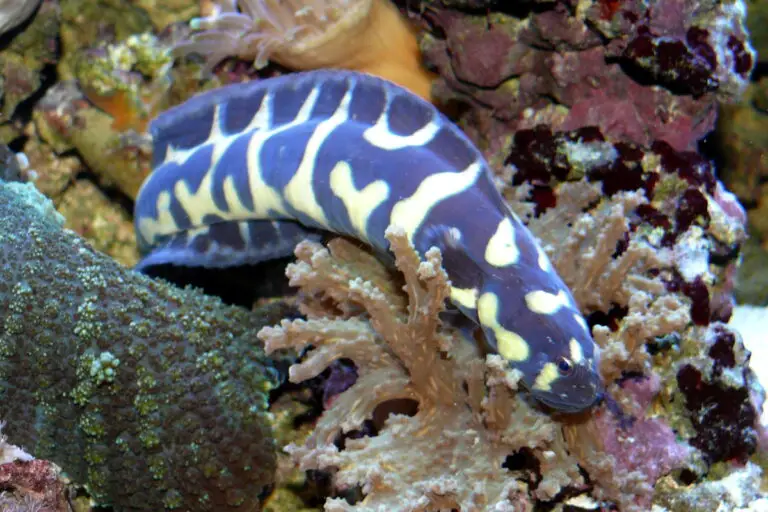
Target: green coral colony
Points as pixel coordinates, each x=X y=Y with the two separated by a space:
x=152 y=396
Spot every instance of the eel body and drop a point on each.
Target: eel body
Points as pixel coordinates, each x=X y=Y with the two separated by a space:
x=244 y=172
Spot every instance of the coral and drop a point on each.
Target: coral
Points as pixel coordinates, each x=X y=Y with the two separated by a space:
x=15 y=166
x=399 y=361
x=667 y=220
x=292 y=487
x=427 y=419
x=53 y=173
x=646 y=238
x=26 y=484
x=150 y=395
x=88 y=23
x=647 y=448
x=590 y=113
x=9 y=452
x=363 y=35
x=640 y=73
x=716 y=389
x=165 y=12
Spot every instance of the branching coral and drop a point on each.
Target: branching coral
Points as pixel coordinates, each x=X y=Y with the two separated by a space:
x=363 y=35
x=632 y=231
x=601 y=279
x=473 y=444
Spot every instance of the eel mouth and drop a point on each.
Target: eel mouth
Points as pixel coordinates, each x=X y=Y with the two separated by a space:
x=584 y=397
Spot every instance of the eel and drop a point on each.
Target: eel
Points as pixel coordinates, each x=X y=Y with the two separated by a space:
x=244 y=172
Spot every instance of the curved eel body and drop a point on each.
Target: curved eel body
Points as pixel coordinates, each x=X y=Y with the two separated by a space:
x=244 y=172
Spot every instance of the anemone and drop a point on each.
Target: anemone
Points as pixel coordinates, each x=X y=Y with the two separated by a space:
x=364 y=35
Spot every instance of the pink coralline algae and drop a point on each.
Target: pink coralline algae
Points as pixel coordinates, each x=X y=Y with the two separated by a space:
x=724 y=416
x=639 y=72
x=642 y=445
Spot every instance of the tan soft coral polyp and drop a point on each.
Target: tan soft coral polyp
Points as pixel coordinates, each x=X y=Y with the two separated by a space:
x=363 y=35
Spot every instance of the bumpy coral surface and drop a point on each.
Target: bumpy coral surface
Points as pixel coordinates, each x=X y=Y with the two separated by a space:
x=152 y=396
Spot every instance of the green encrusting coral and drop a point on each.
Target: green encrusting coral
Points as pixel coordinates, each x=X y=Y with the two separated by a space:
x=150 y=395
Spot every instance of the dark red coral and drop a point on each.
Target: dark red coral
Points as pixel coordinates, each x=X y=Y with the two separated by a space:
x=540 y=158
x=742 y=59
x=536 y=158
x=685 y=66
x=697 y=291
x=722 y=350
x=689 y=165
x=722 y=416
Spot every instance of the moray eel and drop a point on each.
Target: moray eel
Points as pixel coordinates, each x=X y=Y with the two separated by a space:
x=244 y=172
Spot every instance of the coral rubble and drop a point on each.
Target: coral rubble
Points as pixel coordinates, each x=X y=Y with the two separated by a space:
x=26 y=59
x=129 y=80
x=66 y=121
x=150 y=395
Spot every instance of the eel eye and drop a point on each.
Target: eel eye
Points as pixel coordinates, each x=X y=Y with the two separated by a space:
x=564 y=366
